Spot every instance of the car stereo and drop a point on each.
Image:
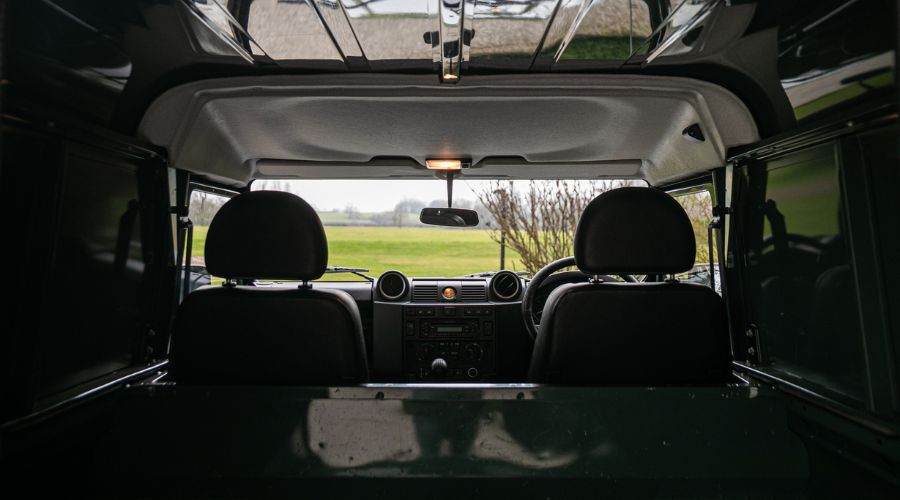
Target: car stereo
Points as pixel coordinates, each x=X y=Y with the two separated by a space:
x=454 y=343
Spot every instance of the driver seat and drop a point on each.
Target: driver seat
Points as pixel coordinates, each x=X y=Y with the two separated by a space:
x=666 y=333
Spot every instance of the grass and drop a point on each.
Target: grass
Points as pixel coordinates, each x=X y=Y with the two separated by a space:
x=599 y=48
x=415 y=251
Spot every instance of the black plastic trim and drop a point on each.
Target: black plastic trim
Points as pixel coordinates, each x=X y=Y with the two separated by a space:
x=395 y=297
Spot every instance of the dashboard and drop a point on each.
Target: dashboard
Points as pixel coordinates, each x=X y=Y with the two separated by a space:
x=449 y=330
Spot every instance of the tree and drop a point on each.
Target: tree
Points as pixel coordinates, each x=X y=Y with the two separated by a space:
x=539 y=223
x=203 y=206
x=698 y=206
x=407 y=206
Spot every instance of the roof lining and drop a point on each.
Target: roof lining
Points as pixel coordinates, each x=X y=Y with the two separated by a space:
x=585 y=123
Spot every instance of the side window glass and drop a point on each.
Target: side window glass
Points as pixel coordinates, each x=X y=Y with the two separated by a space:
x=202 y=207
x=803 y=283
x=96 y=281
x=698 y=204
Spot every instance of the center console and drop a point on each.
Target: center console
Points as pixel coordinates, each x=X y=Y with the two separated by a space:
x=434 y=330
x=448 y=342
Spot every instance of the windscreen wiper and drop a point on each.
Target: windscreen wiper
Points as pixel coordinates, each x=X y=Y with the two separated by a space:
x=488 y=274
x=358 y=271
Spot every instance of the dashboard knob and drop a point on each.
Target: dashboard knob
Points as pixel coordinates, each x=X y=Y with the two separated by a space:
x=474 y=352
x=439 y=366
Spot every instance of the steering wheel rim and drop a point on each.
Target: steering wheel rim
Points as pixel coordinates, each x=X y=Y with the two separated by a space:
x=537 y=280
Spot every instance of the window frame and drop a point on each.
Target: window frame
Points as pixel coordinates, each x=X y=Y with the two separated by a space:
x=186 y=228
x=878 y=402
x=704 y=184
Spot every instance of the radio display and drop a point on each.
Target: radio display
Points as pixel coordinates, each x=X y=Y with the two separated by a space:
x=448 y=328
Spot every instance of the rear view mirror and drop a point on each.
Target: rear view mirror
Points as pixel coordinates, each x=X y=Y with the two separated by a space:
x=454 y=217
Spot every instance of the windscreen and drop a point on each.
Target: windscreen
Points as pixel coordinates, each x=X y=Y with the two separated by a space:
x=374 y=224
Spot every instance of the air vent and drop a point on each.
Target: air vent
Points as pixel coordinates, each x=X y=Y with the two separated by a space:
x=425 y=292
x=392 y=285
x=472 y=292
x=506 y=285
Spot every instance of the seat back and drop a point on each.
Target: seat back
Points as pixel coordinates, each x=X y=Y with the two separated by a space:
x=268 y=336
x=633 y=333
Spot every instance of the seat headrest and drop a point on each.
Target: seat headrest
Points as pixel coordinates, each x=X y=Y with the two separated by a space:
x=266 y=235
x=634 y=230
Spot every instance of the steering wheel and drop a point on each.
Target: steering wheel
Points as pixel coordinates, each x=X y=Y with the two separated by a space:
x=531 y=325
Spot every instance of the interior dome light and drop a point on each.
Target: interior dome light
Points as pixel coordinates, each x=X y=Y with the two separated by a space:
x=443 y=164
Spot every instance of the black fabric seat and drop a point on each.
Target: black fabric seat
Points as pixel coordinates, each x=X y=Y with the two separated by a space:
x=268 y=336
x=633 y=333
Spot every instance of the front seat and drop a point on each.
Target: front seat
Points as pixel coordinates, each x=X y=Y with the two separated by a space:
x=666 y=333
x=298 y=335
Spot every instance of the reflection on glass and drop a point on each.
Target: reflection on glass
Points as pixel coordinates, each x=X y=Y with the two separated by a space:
x=393 y=29
x=509 y=31
x=683 y=22
x=835 y=55
x=218 y=32
x=290 y=30
x=451 y=33
x=344 y=434
x=805 y=303
x=451 y=14
x=610 y=30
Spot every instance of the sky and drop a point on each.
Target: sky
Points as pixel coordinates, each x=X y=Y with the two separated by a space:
x=381 y=195
x=373 y=195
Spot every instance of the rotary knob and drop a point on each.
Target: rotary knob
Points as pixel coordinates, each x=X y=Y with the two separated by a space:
x=474 y=352
x=439 y=366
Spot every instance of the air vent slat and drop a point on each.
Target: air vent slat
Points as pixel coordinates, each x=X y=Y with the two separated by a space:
x=425 y=293
x=473 y=293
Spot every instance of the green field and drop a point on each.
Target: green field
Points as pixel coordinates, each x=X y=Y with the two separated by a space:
x=415 y=251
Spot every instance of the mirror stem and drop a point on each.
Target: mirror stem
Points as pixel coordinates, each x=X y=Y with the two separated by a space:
x=449 y=189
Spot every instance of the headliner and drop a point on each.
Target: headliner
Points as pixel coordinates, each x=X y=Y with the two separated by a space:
x=234 y=130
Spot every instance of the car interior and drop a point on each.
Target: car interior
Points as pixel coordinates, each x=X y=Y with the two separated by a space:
x=226 y=280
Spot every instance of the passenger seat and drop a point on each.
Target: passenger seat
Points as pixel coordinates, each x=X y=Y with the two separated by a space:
x=240 y=335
